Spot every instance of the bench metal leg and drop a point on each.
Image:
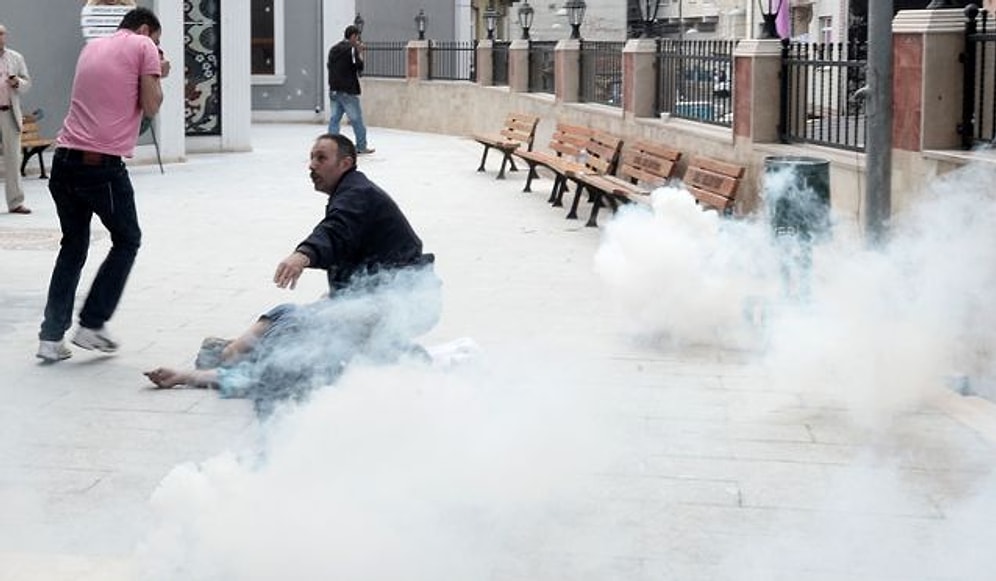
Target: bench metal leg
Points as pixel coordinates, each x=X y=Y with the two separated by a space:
x=598 y=196
x=573 y=213
x=557 y=193
x=484 y=157
x=529 y=178
x=511 y=163
x=504 y=161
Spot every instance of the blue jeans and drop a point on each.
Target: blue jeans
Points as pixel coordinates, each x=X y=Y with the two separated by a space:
x=350 y=105
x=81 y=190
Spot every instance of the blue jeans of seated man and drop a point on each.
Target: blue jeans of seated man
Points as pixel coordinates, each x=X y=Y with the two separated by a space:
x=81 y=190
x=350 y=105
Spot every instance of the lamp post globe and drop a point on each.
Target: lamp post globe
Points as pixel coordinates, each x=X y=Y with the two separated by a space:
x=358 y=22
x=491 y=21
x=649 y=9
x=420 y=23
x=525 y=19
x=575 y=16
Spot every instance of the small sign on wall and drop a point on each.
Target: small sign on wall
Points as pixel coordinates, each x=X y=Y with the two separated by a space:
x=98 y=21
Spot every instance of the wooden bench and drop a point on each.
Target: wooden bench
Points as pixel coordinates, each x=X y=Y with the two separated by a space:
x=643 y=166
x=601 y=154
x=518 y=132
x=713 y=182
x=32 y=143
x=567 y=142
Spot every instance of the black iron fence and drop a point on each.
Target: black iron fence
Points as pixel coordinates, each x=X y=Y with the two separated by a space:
x=820 y=94
x=695 y=80
x=978 y=123
x=453 y=60
x=601 y=72
x=385 y=59
x=499 y=61
x=541 y=77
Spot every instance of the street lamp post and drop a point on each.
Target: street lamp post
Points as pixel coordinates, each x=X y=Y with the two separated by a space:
x=491 y=20
x=575 y=16
x=420 y=22
x=649 y=9
x=358 y=22
x=525 y=19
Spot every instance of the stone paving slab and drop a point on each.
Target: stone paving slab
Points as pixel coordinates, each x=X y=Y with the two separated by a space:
x=720 y=475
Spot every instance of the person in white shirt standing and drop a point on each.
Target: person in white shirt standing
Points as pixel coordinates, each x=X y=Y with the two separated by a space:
x=14 y=80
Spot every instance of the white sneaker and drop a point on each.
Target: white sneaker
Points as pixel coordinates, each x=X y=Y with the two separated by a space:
x=95 y=340
x=52 y=351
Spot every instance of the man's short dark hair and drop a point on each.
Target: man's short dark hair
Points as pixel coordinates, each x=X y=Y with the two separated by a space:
x=343 y=144
x=350 y=31
x=134 y=19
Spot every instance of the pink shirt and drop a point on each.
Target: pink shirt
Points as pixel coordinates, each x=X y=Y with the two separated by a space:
x=104 y=111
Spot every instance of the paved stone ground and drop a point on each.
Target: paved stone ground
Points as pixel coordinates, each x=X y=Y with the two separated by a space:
x=722 y=476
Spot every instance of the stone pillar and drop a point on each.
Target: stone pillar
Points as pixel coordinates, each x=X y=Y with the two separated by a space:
x=639 y=78
x=170 y=122
x=236 y=81
x=927 y=79
x=518 y=66
x=485 y=63
x=567 y=70
x=756 y=77
x=418 y=60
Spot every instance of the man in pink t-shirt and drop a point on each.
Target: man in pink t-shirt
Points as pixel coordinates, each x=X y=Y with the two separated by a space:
x=117 y=82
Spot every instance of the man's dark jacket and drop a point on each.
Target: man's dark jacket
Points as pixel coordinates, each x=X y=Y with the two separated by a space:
x=345 y=66
x=363 y=231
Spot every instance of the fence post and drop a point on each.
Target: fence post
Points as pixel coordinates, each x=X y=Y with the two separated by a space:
x=567 y=70
x=418 y=60
x=485 y=64
x=757 y=67
x=639 y=78
x=928 y=79
x=518 y=66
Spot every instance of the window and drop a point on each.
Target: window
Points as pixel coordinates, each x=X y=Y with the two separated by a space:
x=267 y=56
x=826 y=29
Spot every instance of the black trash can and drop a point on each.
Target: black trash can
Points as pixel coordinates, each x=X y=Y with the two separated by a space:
x=797 y=195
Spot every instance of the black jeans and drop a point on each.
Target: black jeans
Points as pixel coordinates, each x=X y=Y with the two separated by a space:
x=83 y=185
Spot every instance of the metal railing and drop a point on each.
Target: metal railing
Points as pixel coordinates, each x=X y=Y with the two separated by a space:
x=385 y=59
x=820 y=98
x=453 y=60
x=499 y=61
x=695 y=80
x=978 y=115
x=541 y=76
x=601 y=72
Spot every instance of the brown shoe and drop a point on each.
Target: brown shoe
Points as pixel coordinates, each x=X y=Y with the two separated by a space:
x=22 y=209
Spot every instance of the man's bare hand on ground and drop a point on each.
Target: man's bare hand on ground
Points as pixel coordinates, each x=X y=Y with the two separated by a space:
x=290 y=269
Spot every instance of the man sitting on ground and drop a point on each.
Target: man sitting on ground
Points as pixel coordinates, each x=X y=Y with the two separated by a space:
x=383 y=292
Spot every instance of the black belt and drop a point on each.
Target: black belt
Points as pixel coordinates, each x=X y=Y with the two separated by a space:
x=4 y=107
x=86 y=157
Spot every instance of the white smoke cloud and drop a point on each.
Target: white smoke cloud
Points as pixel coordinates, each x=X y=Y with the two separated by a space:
x=876 y=329
x=402 y=472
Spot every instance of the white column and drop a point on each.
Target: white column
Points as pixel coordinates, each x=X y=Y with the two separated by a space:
x=236 y=78
x=171 y=121
x=336 y=16
x=463 y=23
